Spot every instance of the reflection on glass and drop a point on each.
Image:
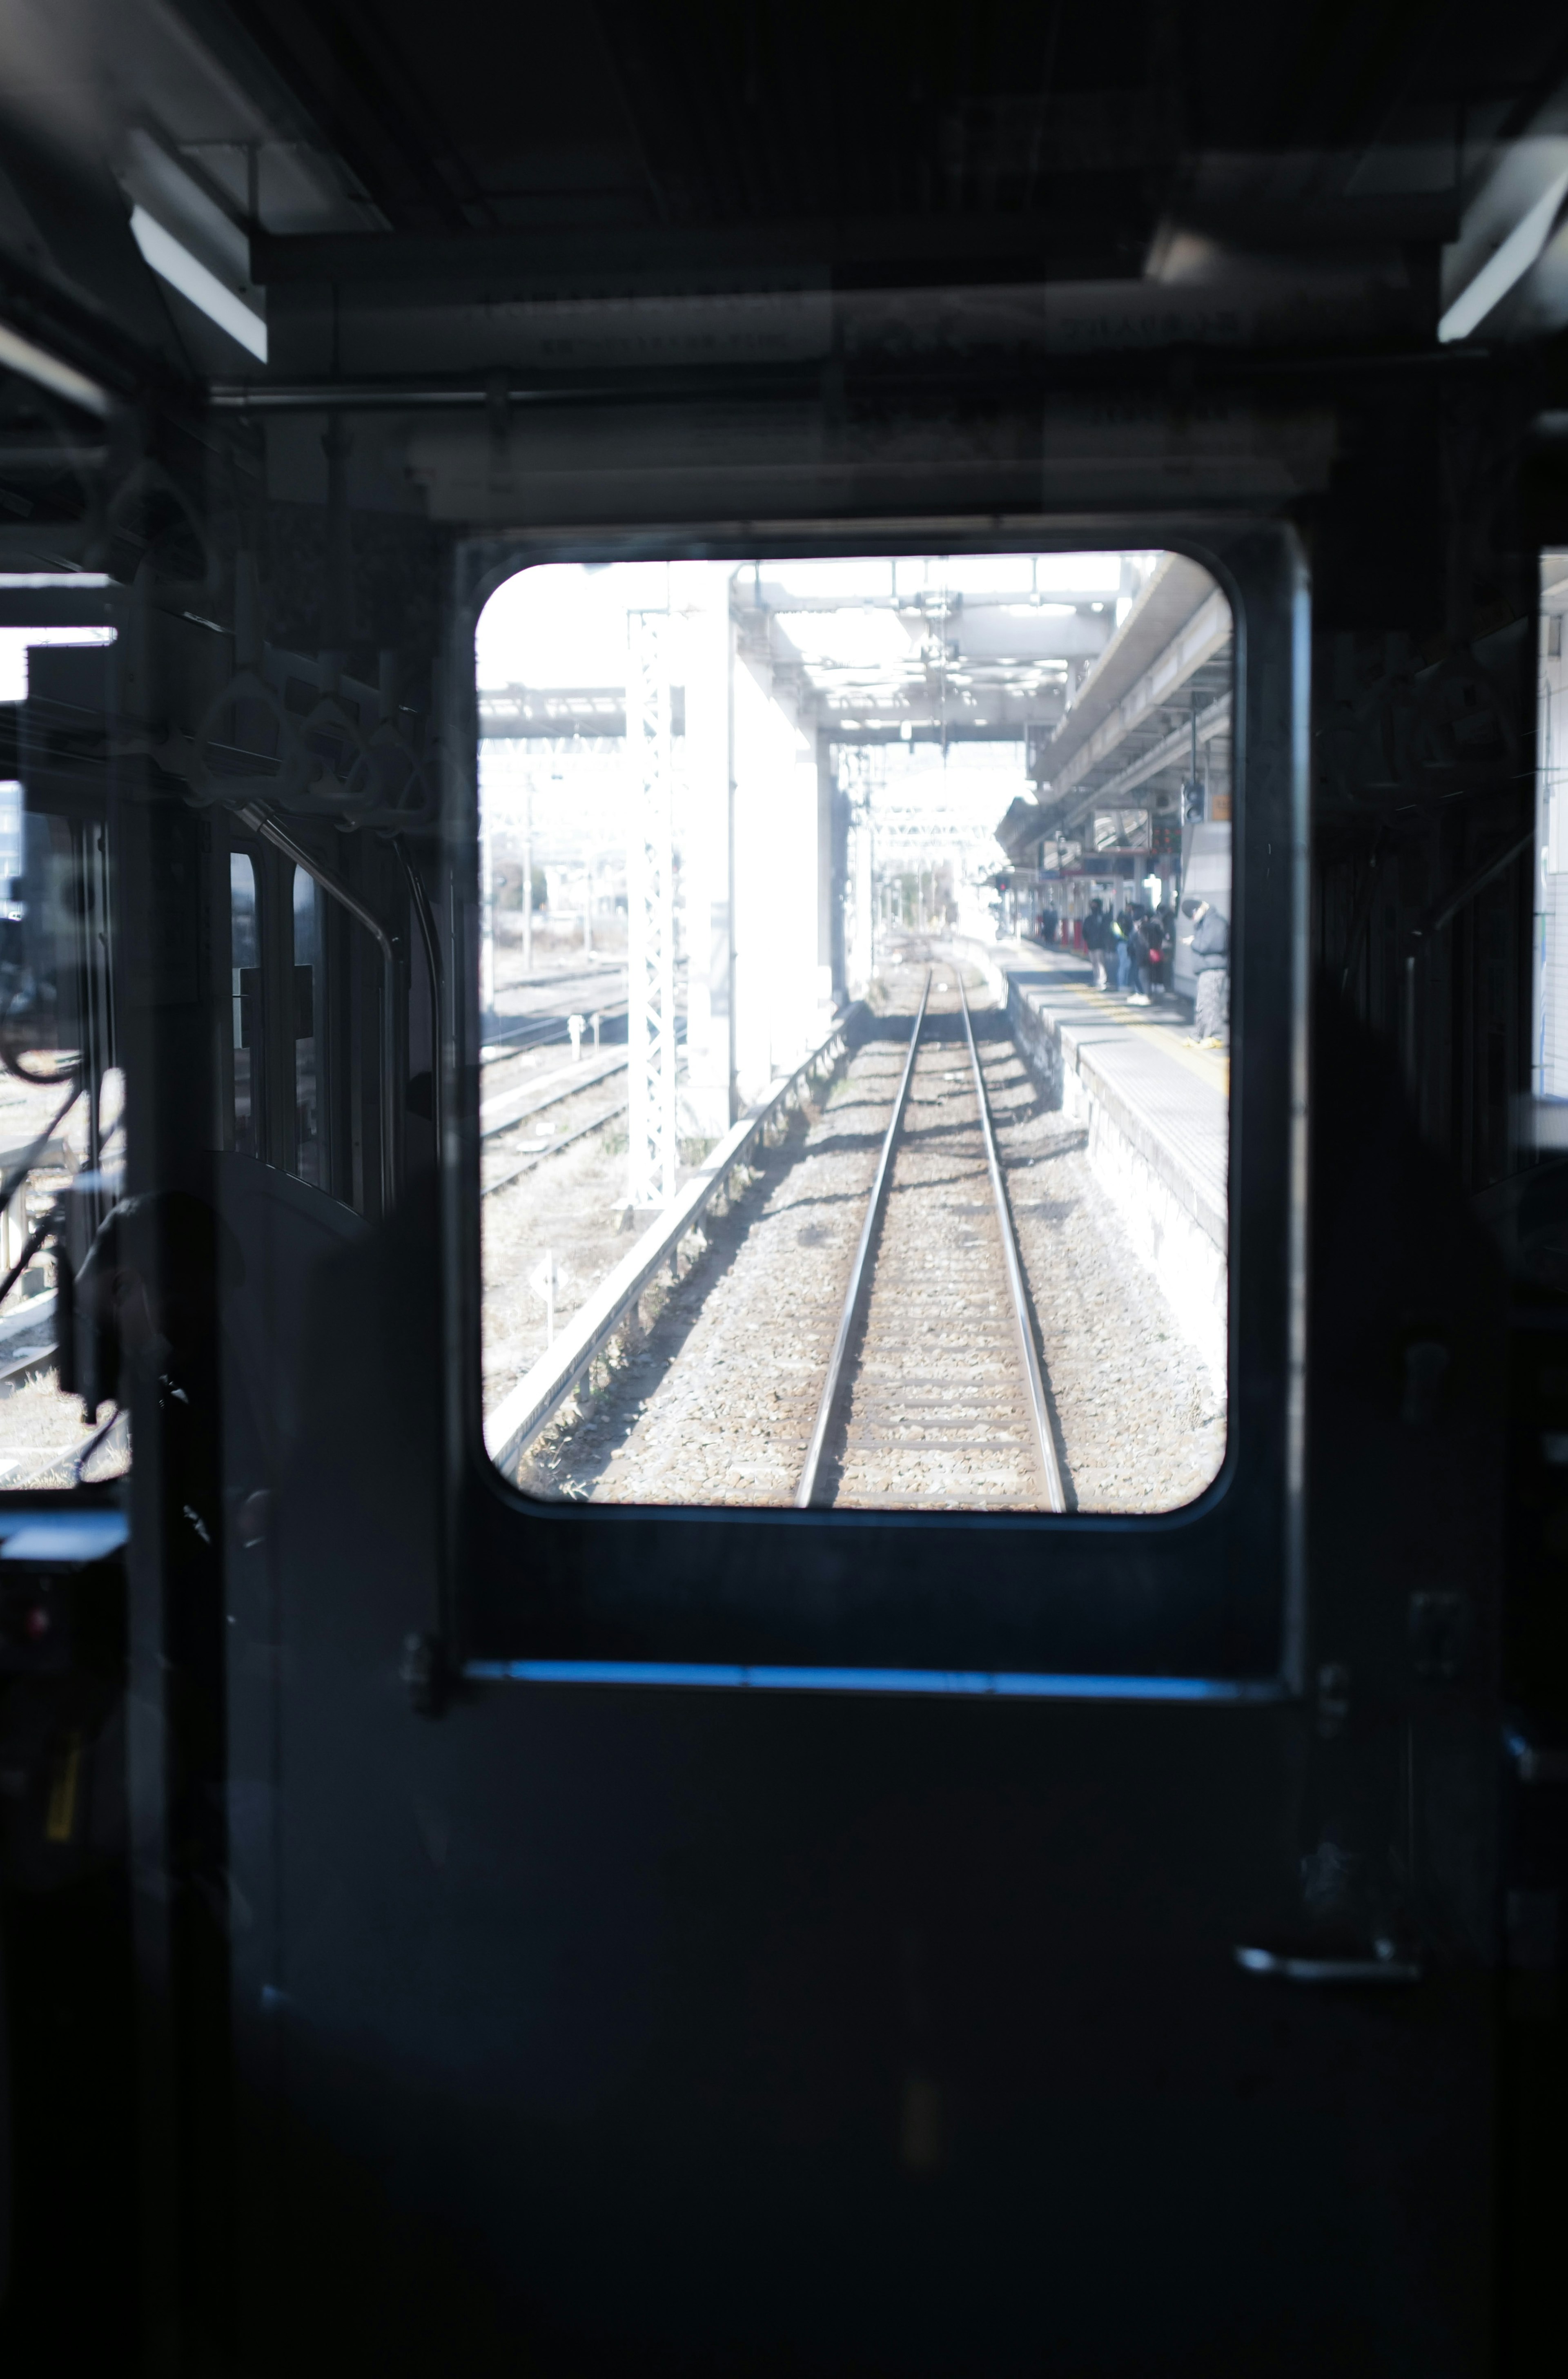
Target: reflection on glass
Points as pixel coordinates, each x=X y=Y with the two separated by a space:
x=1549 y=1070
x=306 y=995
x=810 y=810
x=62 y=1147
x=245 y=975
x=11 y=848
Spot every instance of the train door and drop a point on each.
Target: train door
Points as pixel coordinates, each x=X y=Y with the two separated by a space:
x=746 y=1627
x=66 y=2016
x=694 y=1938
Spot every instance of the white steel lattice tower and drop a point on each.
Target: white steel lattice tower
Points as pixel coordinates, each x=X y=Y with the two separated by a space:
x=861 y=774
x=650 y=917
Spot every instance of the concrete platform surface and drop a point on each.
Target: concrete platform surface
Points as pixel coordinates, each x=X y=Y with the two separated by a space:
x=1175 y=1093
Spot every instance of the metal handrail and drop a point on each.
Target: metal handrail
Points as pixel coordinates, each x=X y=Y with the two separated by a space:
x=539 y=1395
x=860 y=1272
x=1050 y=1469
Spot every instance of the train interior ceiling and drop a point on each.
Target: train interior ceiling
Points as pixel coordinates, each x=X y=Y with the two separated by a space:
x=783 y=1188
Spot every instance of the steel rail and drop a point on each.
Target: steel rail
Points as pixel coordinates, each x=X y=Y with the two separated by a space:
x=537 y=1398
x=860 y=1274
x=1045 y=1449
x=543 y=1155
x=494 y=1118
x=532 y=1032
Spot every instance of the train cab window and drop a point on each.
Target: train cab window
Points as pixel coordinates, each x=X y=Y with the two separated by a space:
x=12 y=811
x=1549 y=1054
x=855 y=989
x=244 y=963
x=62 y=1101
x=307 y=986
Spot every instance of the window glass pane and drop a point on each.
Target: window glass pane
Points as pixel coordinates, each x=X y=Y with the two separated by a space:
x=854 y=987
x=244 y=966
x=1550 y=1066
x=62 y=1097
x=306 y=998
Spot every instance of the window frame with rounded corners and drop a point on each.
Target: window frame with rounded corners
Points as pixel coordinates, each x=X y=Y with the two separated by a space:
x=1204 y=1601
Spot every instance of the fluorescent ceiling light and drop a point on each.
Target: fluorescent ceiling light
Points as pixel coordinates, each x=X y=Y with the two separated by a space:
x=34 y=363
x=175 y=264
x=15 y=643
x=1506 y=267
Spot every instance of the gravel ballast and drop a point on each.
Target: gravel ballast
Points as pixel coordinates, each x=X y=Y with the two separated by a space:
x=712 y=1401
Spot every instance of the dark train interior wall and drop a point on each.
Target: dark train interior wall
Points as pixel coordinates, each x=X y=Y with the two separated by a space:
x=372 y=1999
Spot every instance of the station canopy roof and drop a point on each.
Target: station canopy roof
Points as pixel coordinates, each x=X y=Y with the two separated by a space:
x=929 y=648
x=1154 y=709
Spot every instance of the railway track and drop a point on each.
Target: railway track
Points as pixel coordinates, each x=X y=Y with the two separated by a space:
x=934 y=1392
x=540 y=1154
x=539 y=1033
x=873 y=1266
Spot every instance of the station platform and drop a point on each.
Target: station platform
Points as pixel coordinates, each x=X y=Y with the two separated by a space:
x=1157 y=1107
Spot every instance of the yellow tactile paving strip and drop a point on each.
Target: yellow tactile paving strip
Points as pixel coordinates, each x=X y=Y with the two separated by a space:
x=1211 y=1066
x=1128 y=1048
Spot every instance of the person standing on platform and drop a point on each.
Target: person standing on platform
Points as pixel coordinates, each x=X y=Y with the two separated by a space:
x=1159 y=954
x=1096 y=928
x=1148 y=957
x=1122 y=930
x=1210 y=939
